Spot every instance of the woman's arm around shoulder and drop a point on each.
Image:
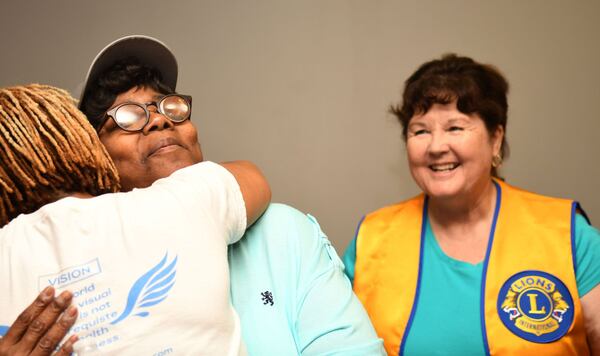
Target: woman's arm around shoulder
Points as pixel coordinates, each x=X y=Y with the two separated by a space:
x=254 y=187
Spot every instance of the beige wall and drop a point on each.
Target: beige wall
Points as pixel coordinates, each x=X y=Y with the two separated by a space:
x=302 y=87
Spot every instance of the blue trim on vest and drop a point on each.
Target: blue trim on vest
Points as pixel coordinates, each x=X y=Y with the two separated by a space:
x=574 y=207
x=486 y=346
x=358 y=229
x=355 y=244
x=418 y=289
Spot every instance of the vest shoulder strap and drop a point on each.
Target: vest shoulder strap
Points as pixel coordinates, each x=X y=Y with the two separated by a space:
x=388 y=249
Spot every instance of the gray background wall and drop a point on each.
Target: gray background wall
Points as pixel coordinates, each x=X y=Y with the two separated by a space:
x=302 y=87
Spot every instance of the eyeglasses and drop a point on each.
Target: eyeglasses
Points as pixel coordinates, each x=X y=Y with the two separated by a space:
x=131 y=116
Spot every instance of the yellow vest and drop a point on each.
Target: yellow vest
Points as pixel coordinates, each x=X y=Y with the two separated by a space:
x=529 y=296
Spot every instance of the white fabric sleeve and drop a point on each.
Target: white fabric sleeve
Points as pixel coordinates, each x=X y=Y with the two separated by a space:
x=211 y=188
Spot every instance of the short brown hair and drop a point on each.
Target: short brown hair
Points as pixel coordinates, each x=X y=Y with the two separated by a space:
x=477 y=88
x=48 y=149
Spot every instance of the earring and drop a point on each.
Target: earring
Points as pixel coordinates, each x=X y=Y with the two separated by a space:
x=496 y=160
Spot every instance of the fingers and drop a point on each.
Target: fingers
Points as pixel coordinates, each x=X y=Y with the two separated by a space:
x=67 y=347
x=20 y=325
x=57 y=332
x=44 y=321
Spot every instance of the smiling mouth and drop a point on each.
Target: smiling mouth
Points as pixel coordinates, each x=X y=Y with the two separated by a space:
x=164 y=149
x=446 y=167
x=164 y=146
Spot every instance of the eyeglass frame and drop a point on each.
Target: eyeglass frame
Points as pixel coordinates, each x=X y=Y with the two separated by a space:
x=112 y=112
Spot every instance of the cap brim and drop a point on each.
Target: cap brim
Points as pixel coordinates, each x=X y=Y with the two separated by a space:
x=149 y=51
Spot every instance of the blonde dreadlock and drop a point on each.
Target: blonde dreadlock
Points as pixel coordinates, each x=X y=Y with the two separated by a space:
x=48 y=150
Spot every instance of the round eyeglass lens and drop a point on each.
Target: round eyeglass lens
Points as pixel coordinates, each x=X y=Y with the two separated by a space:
x=131 y=117
x=175 y=107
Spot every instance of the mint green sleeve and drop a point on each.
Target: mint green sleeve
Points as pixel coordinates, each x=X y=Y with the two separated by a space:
x=312 y=310
x=587 y=255
x=350 y=260
x=330 y=311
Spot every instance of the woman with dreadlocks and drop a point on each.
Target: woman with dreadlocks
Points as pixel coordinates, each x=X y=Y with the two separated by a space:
x=138 y=263
x=49 y=155
x=45 y=152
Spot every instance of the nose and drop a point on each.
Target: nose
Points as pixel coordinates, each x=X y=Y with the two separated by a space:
x=157 y=122
x=438 y=144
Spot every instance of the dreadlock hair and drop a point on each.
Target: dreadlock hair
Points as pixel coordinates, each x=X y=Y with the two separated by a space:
x=123 y=75
x=47 y=150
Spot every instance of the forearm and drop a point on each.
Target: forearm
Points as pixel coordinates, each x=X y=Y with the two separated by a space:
x=254 y=187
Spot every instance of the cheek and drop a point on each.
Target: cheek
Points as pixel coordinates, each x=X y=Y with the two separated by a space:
x=415 y=153
x=114 y=154
x=120 y=149
x=190 y=137
x=187 y=132
x=478 y=151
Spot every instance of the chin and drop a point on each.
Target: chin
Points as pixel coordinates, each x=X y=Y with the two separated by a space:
x=169 y=168
x=442 y=192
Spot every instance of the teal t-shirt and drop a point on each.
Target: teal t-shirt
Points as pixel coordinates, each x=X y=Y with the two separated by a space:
x=290 y=291
x=447 y=319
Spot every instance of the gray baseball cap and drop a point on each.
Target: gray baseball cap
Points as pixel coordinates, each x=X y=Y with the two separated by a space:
x=148 y=50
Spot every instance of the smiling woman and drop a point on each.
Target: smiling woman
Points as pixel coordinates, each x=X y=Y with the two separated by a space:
x=459 y=245
x=450 y=154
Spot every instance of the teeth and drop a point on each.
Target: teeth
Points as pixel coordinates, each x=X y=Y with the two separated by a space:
x=444 y=167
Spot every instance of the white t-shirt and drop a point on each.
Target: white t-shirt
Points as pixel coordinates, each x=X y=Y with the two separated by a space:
x=148 y=268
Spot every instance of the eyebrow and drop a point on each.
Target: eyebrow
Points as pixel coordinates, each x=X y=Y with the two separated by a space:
x=457 y=119
x=412 y=123
x=155 y=99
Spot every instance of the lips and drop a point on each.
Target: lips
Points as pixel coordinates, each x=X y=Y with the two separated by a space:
x=443 y=167
x=163 y=143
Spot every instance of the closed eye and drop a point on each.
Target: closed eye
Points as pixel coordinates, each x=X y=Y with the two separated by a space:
x=419 y=132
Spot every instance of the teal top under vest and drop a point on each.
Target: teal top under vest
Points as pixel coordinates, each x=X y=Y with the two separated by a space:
x=453 y=327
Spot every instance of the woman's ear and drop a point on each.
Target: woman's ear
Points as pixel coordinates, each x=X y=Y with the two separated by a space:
x=497 y=139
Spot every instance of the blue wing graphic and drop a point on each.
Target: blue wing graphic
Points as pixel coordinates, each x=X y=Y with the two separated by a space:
x=150 y=289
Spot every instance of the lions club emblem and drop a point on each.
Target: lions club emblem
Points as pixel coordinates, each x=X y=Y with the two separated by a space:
x=536 y=306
